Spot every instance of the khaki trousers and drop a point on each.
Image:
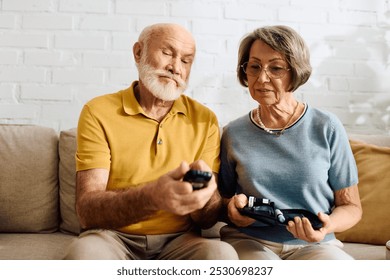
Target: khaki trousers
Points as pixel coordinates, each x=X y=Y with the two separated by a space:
x=251 y=248
x=109 y=244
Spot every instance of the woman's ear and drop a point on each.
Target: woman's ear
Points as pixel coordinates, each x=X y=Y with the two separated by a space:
x=137 y=52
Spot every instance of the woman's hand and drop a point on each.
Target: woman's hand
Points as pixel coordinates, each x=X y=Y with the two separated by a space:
x=346 y=214
x=237 y=202
x=301 y=228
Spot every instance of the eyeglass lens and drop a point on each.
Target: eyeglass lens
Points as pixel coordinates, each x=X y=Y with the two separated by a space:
x=273 y=70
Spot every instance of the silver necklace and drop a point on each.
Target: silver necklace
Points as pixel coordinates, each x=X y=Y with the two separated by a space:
x=276 y=133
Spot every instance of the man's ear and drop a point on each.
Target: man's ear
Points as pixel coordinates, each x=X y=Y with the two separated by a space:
x=137 y=52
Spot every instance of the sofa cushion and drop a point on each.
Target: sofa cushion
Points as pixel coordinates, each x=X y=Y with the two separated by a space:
x=29 y=179
x=360 y=251
x=67 y=178
x=373 y=164
x=34 y=246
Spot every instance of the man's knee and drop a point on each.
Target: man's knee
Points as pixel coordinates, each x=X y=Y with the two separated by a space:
x=216 y=250
x=93 y=246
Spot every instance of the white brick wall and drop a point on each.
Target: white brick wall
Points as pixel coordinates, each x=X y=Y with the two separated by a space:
x=57 y=54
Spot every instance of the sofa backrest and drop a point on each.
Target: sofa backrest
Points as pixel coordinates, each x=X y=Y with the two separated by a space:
x=372 y=156
x=38 y=182
x=28 y=179
x=379 y=140
x=67 y=181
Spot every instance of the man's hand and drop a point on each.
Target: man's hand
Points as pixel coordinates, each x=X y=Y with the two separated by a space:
x=176 y=196
x=98 y=207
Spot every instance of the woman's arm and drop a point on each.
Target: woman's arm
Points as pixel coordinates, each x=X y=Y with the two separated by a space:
x=347 y=213
x=348 y=210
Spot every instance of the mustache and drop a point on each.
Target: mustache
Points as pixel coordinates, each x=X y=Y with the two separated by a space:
x=180 y=82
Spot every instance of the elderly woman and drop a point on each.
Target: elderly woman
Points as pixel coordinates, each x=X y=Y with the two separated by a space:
x=292 y=154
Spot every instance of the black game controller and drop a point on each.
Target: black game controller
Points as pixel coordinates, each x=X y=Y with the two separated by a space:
x=199 y=179
x=264 y=210
x=289 y=215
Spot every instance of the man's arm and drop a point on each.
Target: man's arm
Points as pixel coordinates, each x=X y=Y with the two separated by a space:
x=101 y=208
x=210 y=213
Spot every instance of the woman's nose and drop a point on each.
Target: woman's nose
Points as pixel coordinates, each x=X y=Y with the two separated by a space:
x=263 y=76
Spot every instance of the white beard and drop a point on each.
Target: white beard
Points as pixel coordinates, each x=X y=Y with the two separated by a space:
x=165 y=91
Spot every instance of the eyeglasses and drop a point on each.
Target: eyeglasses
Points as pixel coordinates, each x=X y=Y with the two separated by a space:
x=273 y=71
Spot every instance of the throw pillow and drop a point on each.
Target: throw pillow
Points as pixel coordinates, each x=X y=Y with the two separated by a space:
x=373 y=163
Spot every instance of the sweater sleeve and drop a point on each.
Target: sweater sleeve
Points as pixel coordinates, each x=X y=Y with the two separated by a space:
x=343 y=170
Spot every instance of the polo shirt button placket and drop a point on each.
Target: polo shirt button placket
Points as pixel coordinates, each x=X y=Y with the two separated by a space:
x=160 y=141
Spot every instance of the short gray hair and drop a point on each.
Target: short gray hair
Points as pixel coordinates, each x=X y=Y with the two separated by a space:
x=284 y=40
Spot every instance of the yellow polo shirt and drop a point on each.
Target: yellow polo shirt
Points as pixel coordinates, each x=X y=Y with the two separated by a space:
x=115 y=133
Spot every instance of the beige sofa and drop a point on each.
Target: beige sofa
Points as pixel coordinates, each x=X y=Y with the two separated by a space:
x=37 y=194
x=37 y=190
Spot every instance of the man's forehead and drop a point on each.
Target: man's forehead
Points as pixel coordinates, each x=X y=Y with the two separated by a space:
x=175 y=39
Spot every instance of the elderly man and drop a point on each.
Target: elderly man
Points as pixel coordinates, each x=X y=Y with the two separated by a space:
x=134 y=147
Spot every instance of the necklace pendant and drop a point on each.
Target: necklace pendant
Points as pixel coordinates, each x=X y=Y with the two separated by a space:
x=277 y=133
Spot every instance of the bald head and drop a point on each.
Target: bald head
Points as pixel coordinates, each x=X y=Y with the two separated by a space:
x=156 y=31
x=164 y=55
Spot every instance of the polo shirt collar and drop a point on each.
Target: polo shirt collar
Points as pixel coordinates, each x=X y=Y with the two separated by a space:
x=132 y=107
